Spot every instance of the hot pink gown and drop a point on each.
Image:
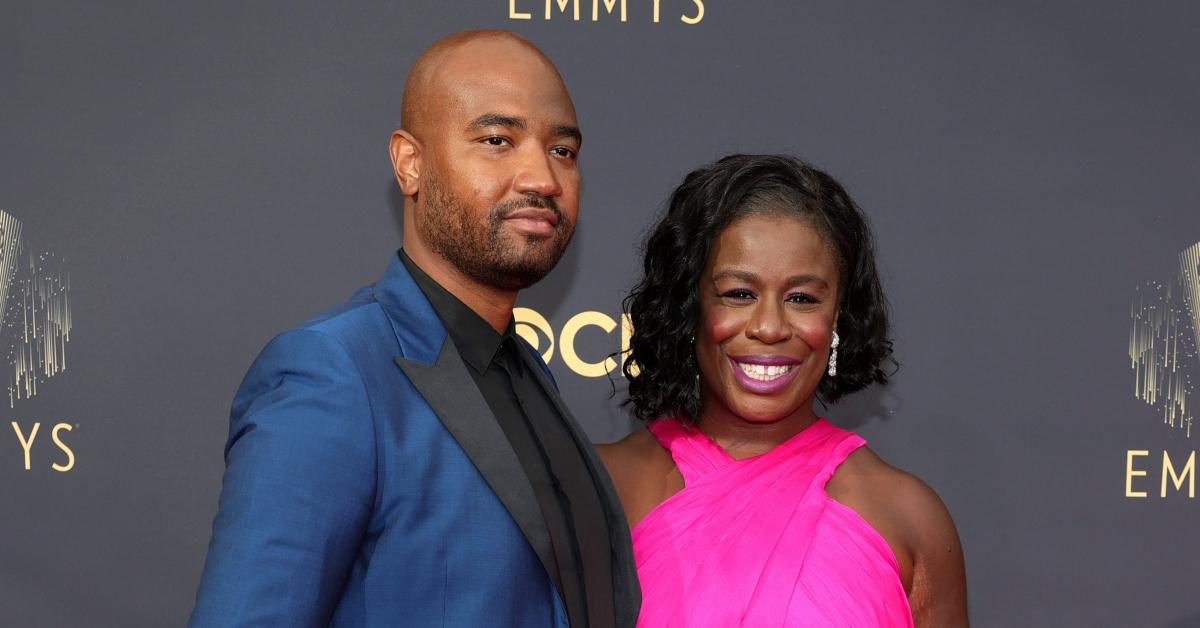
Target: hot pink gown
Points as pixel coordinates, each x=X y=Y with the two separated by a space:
x=758 y=542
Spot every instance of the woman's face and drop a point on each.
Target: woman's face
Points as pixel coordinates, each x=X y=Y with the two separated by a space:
x=768 y=309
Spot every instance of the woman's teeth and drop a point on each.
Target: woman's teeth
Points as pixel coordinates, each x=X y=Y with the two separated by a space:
x=763 y=372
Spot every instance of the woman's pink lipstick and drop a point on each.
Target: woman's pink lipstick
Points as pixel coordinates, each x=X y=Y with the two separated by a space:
x=767 y=386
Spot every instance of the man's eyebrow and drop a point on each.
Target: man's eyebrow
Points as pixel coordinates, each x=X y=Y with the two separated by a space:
x=497 y=119
x=517 y=123
x=566 y=130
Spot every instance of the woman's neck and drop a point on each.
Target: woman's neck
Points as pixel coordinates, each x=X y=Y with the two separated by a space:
x=743 y=438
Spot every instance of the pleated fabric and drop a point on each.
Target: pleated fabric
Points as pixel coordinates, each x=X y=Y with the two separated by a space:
x=758 y=542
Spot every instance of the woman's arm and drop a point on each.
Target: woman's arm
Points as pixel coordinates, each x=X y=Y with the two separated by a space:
x=938 y=597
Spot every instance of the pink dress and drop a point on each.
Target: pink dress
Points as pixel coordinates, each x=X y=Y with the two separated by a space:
x=758 y=542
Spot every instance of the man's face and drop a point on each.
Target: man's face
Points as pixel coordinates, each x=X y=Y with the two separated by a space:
x=499 y=191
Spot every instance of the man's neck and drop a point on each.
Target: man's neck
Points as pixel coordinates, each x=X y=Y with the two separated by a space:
x=490 y=303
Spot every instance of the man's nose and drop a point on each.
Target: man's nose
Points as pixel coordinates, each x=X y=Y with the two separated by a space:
x=536 y=175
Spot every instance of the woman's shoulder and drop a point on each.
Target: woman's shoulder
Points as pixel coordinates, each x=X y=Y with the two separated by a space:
x=635 y=446
x=899 y=491
x=636 y=458
x=891 y=498
x=915 y=522
x=642 y=471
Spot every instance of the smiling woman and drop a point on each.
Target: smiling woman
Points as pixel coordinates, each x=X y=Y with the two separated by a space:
x=760 y=295
x=768 y=308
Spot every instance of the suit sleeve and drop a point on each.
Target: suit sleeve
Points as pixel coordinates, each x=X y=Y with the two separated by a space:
x=297 y=492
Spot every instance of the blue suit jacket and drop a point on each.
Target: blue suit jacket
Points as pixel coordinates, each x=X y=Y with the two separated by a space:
x=368 y=484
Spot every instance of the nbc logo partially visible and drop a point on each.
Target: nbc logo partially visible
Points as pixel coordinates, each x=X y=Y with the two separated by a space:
x=35 y=313
x=1163 y=339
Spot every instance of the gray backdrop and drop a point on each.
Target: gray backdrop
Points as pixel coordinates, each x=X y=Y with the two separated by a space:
x=210 y=175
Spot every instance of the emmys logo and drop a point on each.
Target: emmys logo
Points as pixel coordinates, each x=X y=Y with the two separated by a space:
x=1164 y=335
x=35 y=328
x=690 y=12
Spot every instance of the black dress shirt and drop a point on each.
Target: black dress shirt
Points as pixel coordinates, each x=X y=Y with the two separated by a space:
x=566 y=491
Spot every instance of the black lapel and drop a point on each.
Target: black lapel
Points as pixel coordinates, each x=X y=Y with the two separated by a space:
x=625 y=582
x=449 y=389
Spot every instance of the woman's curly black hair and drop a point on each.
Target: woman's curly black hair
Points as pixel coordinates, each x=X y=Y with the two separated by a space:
x=663 y=306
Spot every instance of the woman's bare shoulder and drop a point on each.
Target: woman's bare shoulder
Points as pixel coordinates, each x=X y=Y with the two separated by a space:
x=902 y=492
x=642 y=471
x=635 y=460
x=915 y=521
x=635 y=448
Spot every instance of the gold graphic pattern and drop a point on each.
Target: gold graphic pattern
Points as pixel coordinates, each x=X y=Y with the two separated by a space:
x=1163 y=339
x=10 y=248
x=35 y=300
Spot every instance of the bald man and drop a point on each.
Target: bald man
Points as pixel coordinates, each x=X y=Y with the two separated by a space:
x=404 y=459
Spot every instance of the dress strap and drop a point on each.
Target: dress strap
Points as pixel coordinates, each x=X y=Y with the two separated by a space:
x=694 y=453
x=842 y=443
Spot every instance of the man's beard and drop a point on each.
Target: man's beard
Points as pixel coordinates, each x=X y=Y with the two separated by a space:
x=481 y=248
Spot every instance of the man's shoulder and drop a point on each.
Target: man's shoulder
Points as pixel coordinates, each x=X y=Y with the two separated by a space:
x=357 y=325
x=360 y=309
x=341 y=344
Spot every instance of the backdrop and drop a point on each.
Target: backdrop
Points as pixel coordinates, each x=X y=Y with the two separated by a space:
x=181 y=181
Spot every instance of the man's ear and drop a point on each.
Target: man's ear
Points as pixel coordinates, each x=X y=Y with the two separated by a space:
x=406 y=161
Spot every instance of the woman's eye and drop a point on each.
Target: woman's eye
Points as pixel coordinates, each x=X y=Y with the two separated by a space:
x=801 y=298
x=737 y=294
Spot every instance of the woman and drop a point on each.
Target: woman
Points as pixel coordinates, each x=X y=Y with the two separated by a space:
x=760 y=294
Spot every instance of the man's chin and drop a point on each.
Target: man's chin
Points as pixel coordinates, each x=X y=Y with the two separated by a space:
x=534 y=250
x=521 y=275
x=518 y=272
x=510 y=261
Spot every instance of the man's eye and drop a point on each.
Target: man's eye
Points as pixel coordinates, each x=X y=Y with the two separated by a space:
x=563 y=151
x=495 y=140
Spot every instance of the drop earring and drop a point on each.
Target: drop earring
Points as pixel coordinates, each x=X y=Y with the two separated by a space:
x=695 y=367
x=833 y=355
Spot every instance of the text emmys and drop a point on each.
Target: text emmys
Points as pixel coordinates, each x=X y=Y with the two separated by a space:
x=522 y=9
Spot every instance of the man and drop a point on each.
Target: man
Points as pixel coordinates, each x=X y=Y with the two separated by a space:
x=403 y=459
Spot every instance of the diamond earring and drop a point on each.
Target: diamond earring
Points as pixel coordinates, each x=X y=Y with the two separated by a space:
x=833 y=355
